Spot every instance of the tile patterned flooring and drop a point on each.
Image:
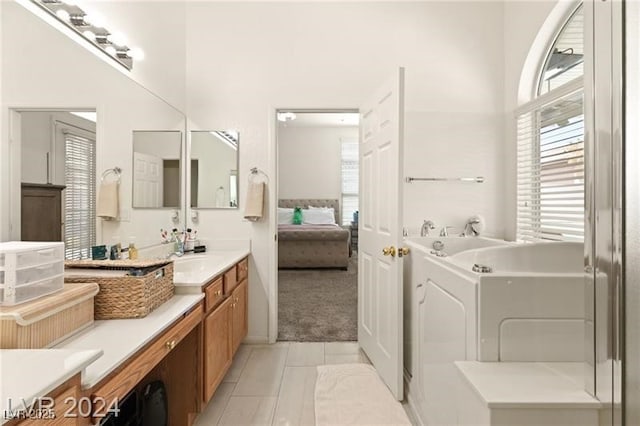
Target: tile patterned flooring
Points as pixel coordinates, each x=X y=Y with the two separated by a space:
x=274 y=384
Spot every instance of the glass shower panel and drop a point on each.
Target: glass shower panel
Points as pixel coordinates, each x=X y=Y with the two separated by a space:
x=631 y=377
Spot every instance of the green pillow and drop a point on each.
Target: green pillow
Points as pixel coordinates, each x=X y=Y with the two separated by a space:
x=297 y=216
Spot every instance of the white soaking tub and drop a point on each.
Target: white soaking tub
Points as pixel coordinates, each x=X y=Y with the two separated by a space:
x=530 y=308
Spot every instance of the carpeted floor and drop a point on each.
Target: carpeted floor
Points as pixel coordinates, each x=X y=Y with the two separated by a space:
x=318 y=305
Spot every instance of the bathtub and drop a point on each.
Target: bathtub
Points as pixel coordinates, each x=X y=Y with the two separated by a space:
x=530 y=308
x=540 y=258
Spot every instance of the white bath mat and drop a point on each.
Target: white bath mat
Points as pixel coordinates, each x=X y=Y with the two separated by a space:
x=354 y=394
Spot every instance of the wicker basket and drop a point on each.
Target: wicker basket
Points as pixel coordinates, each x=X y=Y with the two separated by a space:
x=122 y=295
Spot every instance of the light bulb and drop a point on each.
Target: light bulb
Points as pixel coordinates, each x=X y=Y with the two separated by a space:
x=94 y=19
x=136 y=53
x=111 y=50
x=63 y=14
x=90 y=35
x=118 y=39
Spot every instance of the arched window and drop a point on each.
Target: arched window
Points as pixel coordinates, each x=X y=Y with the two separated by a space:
x=550 y=153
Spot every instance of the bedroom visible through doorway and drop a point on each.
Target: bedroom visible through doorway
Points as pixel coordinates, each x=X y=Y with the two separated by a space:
x=317 y=225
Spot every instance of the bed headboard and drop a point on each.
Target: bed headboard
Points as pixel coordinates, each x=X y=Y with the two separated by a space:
x=315 y=202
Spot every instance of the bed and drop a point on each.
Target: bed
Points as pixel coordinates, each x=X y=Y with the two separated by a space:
x=313 y=246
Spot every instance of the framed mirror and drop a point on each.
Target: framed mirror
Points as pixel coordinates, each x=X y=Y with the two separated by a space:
x=156 y=169
x=214 y=169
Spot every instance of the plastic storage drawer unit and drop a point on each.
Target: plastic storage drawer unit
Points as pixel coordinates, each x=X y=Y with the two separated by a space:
x=29 y=270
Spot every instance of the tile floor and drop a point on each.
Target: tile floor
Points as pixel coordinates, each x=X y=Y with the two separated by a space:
x=274 y=384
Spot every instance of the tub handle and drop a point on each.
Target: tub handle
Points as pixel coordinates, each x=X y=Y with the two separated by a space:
x=483 y=269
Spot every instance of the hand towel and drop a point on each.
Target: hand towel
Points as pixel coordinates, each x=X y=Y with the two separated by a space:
x=255 y=201
x=108 y=200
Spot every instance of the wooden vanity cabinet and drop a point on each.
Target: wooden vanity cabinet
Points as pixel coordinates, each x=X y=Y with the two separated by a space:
x=239 y=323
x=217 y=347
x=225 y=325
x=63 y=401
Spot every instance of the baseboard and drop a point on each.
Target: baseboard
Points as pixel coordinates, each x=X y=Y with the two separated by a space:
x=411 y=404
x=256 y=340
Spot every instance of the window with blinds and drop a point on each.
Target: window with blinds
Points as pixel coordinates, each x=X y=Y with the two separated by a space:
x=550 y=179
x=79 y=195
x=349 y=179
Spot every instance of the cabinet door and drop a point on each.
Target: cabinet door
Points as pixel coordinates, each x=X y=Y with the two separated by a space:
x=217 y=347
x=239 y=314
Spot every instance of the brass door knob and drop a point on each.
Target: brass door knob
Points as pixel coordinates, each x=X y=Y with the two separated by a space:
x=389 y=251
x=403 y=251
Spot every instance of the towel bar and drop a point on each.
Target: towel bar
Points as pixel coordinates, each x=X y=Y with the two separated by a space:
x=116 y=171
x=478 y=179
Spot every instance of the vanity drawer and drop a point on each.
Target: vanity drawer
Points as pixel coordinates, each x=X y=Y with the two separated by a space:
x=119 y=385
x=230 y=280
x=243 y=269
x=213 y=294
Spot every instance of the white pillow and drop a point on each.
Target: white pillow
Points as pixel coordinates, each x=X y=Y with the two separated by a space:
x=285 y=216
x=318 y=217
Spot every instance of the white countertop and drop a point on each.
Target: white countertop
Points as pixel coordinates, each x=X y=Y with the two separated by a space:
x=528 y=384
x=32 y=373
x=203 y=267
x=119 y=339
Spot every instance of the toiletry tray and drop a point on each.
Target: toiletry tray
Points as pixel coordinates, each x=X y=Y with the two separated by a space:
x=128 y=288
x=46 y=321
x=29 y=270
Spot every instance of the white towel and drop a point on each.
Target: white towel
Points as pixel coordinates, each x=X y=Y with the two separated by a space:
x=108 y=200
x=255 y=201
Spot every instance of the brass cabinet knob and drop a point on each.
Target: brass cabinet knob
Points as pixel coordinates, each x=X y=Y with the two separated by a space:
x=170 y=344
x=389 y=251
x=218 y=293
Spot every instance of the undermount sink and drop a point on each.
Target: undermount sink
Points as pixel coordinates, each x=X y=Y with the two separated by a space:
x=195 y=263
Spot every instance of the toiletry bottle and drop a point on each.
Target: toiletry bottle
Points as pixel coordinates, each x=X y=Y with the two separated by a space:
x=133 y=251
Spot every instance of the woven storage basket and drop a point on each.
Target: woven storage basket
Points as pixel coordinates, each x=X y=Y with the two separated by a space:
x=126 y=296
x=43 y=322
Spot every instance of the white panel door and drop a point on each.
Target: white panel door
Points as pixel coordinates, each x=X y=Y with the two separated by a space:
x=380 y=274
x=147 y=180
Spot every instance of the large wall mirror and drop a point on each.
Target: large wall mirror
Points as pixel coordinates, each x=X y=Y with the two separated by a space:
x=47 y=97
x=214 y=169
x=156 y=169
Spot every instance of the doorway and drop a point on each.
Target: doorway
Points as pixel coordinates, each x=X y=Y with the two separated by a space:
x=317 y=225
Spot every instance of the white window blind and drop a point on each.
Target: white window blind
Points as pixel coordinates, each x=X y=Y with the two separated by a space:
x=80 y=196
x=551 y=171
x=349 y=179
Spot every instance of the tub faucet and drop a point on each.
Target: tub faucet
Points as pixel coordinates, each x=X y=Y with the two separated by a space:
x=444 y=232
x=426 y=227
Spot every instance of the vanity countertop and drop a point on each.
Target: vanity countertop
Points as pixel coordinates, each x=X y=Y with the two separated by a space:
x=528 y=384
x=120 y=339
x=32 y=373
x=192 y=271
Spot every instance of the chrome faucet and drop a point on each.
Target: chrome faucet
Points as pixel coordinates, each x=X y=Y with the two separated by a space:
x=444 y=232
x=471 y=228
x=427 y=226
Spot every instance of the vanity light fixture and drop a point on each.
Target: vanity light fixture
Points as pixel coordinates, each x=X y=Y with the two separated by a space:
x=286 y=116
x=91 y=27
x=229 y=137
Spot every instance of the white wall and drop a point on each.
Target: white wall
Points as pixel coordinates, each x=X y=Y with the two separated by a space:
x=38 y=75
x=262 y=56
x=310 y=161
